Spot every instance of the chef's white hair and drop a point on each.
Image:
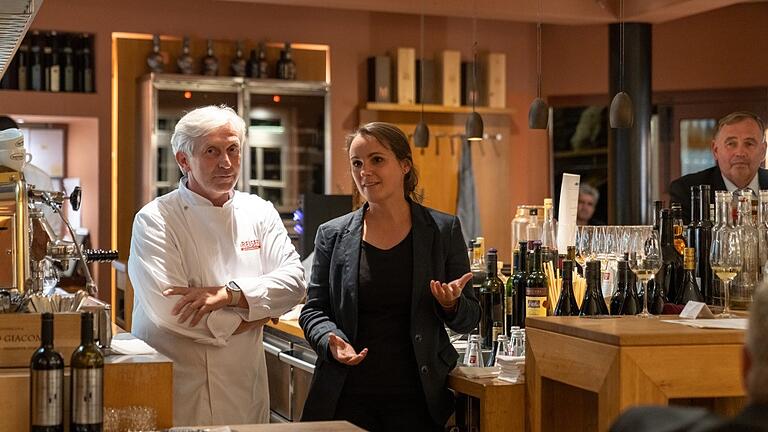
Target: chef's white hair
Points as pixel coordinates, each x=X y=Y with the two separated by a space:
x=757 y=346
x=202 y=121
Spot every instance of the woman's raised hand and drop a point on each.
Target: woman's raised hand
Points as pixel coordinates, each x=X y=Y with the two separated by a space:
x=447 y=294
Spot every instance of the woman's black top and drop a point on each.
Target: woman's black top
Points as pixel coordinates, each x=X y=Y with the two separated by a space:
x=384 y=320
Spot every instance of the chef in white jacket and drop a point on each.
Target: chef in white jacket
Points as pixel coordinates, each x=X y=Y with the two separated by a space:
x=209 y=266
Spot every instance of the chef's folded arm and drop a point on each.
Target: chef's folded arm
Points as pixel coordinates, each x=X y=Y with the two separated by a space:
x=155 y=265
x=282 y=285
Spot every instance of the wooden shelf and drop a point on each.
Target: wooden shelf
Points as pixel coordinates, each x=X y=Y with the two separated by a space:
x=430 y=108
x=581 y=153
x=50 y=104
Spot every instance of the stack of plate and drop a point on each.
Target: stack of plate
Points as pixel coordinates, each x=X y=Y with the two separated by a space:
x=512 y=368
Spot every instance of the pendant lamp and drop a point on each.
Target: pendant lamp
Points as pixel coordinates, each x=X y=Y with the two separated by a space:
x=421 y=134
x=474 y=127
x=538 y=113
x=621 y=114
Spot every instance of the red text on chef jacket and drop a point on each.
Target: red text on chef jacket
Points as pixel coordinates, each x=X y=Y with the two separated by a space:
x=249 y=245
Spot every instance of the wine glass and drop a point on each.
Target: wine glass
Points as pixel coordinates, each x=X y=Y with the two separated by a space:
x=581 y=254
x=645 y=261
x=725 y=258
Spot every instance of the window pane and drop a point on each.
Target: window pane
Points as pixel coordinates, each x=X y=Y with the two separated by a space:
x=271 y=165
x=695 y=145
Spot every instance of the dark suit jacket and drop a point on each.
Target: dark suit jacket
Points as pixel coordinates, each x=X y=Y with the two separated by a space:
x=680 y=189
x=754 y=418
x=439 y=253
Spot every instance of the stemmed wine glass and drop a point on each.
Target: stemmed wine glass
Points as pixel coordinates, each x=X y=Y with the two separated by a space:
x=645 y=261
x=582 y=245
x=725 y=257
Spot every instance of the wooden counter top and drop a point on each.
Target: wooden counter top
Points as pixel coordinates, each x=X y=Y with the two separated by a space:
x=288 y=326
x=632 y=331
x=326 y=426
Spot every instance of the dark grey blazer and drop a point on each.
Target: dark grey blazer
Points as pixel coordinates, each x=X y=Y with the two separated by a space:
x=439 y=253
x=680 y=189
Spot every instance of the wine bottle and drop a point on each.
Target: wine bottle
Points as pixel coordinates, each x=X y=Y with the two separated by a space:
x=53 y=66
x=699 y=237
x=23 y=64
x=37 y=69
x=631 y=299
x=566 y=304
x=620 y=295
x=85 y=65
x=667 y=280
x=548 y=237
x=68 y=66
x=536 y=286
x=210 y=62
x=657 y=206
x=155 y=60
x=510 y=293
x=677 y=228
x=87 y=381
x=519 y=280
x=689 y=290
x=745 y=283
x=263 y=70
x=185 y=62
x=477 y=265
x=46 y=392
x=593 y=303
x=237 y=65
x=286 y=68
x=492 y=300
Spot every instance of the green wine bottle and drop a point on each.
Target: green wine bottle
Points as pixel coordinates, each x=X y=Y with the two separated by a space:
x=87 y=381
x=46 y=392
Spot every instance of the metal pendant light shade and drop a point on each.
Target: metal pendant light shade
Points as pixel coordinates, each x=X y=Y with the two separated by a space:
x=538 y=114
x=622 y=114
x=474 y=127
x=421 y=135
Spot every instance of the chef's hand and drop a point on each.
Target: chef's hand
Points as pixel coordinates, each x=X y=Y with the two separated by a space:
x=343 y=352
x=196 y=302
x=447 y=294
x=248 y=325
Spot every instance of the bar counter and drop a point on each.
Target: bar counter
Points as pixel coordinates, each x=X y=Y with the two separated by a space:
x=583 y=372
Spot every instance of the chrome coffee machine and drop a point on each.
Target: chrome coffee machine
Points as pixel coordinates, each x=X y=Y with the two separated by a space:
x=32 y=256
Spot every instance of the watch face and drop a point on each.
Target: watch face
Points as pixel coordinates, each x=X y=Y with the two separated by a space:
x=232 y=286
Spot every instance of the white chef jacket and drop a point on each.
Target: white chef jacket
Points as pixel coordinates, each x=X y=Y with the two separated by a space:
x=181 y=239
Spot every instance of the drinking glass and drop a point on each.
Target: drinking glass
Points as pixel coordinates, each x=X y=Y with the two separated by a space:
x=725 y=258
x=645 y=261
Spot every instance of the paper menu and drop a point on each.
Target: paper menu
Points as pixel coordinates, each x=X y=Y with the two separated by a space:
x=567 y=209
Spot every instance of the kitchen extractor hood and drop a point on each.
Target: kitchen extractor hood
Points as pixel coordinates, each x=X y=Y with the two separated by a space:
x=15 y=18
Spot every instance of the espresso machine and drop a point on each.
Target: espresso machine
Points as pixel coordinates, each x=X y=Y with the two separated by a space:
x=32 y=254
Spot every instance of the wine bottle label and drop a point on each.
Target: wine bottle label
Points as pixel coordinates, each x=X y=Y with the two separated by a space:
x=536 y=301
x=88 y=81
x=55 y=78
x=47 y=397
x=509 y=304
x=606 y=284
x=87 y=393
x=69 y=78
x=23 y=78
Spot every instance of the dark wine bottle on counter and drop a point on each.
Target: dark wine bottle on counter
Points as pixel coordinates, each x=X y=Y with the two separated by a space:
x=566 y=304
x=23 y=64
x=689 y=290
x=700 y=238
x=536 y=285
x=631 y=304
x=594 y=302
x=491 y=299
x=237 y=65
x=518 y=281
x=37 y=69
x=185 y=61
x=68 y=66
x=210 y=62
x=286 y=68
x=46 y=392
x=667 y=280
x=620 y=294
x=87 y=381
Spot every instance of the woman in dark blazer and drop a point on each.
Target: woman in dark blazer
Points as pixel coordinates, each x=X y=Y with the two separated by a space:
x=386 y=280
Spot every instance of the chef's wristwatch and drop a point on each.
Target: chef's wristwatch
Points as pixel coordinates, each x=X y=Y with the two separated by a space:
x=234 y=289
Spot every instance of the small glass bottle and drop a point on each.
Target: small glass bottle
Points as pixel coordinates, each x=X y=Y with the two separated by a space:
x=155 y=59
x=237 y=66
x=286 y=68
x=548 y=236
x=185 y=61
x=210 y=62
x=504 y=347
x=473 y=356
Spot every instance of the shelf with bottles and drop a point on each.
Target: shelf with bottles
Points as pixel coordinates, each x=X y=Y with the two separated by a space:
x=244 y=59
x=51 y=61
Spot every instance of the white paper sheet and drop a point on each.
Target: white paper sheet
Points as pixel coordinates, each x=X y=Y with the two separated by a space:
x=566 y=213
x=128 y=344
x=726 y=323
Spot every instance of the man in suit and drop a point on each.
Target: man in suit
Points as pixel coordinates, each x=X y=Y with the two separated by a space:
x=738 y=147
x=754 y=417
